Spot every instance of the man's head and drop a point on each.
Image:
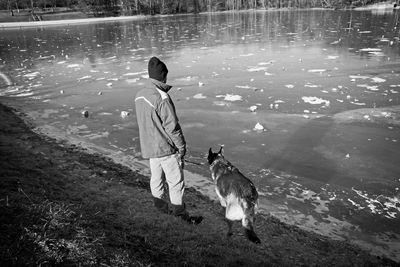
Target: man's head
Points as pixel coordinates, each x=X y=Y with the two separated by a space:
x=157 y=70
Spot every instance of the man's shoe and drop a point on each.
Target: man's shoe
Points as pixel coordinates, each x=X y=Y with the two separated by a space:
x=180 y=211
x=161 y=205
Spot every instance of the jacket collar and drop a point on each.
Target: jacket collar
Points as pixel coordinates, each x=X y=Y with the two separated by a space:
x=160 y=85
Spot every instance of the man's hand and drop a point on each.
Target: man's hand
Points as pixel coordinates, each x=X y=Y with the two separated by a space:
x=181 y=160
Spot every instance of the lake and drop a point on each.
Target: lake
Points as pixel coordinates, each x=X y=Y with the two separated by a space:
x=305 y=103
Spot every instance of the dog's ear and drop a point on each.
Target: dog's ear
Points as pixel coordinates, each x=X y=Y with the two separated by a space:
x=221 y=151
x=211 y=156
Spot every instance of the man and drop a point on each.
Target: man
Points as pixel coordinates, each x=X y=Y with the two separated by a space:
x=162 y=141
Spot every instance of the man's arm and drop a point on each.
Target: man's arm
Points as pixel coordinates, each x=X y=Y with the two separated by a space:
x=171 y=125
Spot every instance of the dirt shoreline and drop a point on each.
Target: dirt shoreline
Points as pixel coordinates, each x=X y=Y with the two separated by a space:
x=60 y=205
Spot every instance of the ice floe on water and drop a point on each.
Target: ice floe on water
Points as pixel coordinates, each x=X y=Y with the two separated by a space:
x=231 y=97
x=259 y=127
x=372 y=51
x=32 y=75
x=368 y=49
x=124 y=114
x=246 y=87
x=134 y=73
x=310 y=85
x=253 y=108
x=246 y=55
x=199 y=96
x=256 y=69
x=363 y=77
x=317 y=70
x=313 y=100
x=369 y=87
x=332 y=57
x=74 y=66
x=378 y=80
x=84 y=77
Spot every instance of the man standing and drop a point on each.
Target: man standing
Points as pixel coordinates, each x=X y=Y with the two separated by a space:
x=162 y=141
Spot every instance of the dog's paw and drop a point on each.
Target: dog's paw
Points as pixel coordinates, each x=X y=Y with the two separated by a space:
x=255 y=240
x=195 y=219
x=252 y=236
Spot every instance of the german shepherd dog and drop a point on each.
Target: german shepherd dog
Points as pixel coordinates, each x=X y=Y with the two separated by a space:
x=236 y=193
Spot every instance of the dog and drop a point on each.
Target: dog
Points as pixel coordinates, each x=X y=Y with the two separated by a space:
x=237 y=194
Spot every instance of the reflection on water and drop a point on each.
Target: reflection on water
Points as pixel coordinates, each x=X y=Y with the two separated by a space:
x=324 y=86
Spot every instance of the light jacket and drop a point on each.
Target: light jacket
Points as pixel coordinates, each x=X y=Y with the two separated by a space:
x=159 y=130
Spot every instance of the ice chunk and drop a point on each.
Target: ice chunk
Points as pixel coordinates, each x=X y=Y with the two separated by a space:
x=370 y=50
x=199 y=96
x=315 y=100
x=290 y=86
x=378 y=80
x=317 y=70
x=84 y=77
x=358 y=77
x=357 y=103
x=245 y=87
x=247 y=55
x=332 y=57
x=256 y=69
x=231 y=97
x=85 y=113
x=310 y=85
x=32 y=74
x=369 y=87
x=124 y=114
x=259 y=127
x=201 y=84
x=253 y=108
x=73 y=66
x=133 y=73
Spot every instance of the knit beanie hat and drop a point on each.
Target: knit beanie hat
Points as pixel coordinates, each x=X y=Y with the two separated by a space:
x=157 y=69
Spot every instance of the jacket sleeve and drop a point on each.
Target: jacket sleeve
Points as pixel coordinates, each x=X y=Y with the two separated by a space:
x=171 y=125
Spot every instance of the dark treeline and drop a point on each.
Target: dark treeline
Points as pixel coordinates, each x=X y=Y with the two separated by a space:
x=132 y=7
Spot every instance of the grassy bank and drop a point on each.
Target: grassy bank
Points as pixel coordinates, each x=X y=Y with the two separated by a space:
x=62 y=206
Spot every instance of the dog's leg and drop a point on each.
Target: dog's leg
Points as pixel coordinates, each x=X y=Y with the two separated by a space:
x=247 y=223
x=229 y=223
